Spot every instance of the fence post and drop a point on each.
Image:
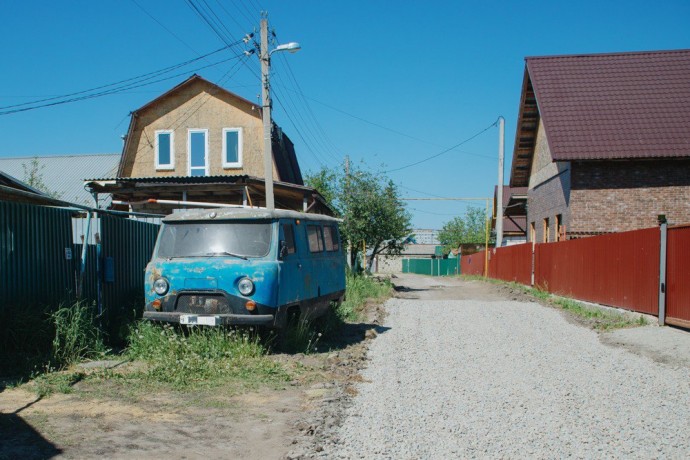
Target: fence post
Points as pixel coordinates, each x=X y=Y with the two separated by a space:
x=663 y=233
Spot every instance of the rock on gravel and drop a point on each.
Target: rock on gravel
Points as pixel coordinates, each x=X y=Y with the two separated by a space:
x=508 y=379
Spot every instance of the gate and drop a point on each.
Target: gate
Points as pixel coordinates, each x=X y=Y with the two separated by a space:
x=432 y=267
x=678 y=276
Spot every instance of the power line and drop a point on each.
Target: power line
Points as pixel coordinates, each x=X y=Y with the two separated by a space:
x=163 y=26
x=331 y=148
x=299 y=133
x=444 y=151
x=400 y=133
x=137 y=84
x=213 y=27
x=150 y=75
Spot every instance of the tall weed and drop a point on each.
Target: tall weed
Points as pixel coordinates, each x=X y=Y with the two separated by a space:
x=77 y=335
x=360 y=289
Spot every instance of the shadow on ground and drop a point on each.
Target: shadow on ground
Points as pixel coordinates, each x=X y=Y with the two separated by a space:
x=20 y=440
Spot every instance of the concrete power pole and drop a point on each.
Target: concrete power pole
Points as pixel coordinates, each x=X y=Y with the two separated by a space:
x=499 y=192
x=266 y=115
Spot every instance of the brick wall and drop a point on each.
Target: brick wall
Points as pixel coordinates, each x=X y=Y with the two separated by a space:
x=549 y=190
x=615 y=196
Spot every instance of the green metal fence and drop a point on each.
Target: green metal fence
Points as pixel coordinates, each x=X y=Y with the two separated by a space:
x=40 y=264
x=36 y=255
x=432 y=267
x=127 y=248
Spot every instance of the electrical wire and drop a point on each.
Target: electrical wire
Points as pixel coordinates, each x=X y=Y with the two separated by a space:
x=299 y=133
x=444 y=151
x=118 y=89
x=148 y=76
x=330 y=148
x=163 y=26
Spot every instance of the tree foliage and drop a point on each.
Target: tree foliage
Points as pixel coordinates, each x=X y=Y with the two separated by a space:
x=33 y=177
x=370 y=207
x=467 y=229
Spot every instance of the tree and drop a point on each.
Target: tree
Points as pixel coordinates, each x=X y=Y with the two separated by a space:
x=370 y=207
x=467 y=229
x=33 y=177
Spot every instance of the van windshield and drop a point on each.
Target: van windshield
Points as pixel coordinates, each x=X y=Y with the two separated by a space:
x=209 y=239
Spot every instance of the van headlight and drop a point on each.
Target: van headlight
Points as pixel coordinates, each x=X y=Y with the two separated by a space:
x=161 y=286
x=245 y=286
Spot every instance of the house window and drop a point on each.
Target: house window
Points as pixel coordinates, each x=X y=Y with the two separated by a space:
x=165 y=152
x=330 y=236
x=232 y=147
x=198 y=152
x=545 y=236
x=315 y=239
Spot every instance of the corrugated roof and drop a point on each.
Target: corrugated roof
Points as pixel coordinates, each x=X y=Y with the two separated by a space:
x=192 y=180
x=614 y=106
x=64 y=174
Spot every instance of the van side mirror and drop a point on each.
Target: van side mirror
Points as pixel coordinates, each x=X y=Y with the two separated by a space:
x=283 y=249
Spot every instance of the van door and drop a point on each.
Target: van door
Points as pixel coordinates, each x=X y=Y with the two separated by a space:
x=291 y=287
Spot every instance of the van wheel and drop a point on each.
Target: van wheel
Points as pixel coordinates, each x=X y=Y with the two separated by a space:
x=277 y=336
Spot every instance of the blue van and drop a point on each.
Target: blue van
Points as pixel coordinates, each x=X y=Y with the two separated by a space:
x=244 y=266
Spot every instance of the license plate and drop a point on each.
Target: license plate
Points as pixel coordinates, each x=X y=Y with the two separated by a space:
x=202 y=320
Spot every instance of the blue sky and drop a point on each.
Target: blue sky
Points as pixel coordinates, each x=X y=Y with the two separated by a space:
x=387 y=83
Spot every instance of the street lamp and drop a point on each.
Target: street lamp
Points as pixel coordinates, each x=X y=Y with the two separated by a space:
x=265 y=57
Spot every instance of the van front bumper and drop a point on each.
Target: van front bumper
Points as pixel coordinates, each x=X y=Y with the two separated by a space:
x=226 y=319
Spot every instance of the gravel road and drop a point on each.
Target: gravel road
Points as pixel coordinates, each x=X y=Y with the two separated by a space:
x=502 y=378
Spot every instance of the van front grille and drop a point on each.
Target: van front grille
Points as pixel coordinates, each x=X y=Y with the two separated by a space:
x=203 y=304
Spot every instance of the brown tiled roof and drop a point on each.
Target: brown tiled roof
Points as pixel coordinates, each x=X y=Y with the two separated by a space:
x=610 y=106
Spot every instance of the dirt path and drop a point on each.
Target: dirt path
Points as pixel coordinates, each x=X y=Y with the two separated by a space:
x=76 y=425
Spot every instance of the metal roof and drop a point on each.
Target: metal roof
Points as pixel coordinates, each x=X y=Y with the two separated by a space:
x=192 y=180
x=614 y=106
x=218 y=214
x=64 y=174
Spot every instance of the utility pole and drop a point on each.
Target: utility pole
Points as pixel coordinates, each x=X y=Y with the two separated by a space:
x=265 y=57
x=499 y=192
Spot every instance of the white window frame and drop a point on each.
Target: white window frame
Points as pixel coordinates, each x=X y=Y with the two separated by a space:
x=238 y=163
x=165 y=167
x=189 y=149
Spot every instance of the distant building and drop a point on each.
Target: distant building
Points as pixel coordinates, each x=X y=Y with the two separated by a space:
x=425 y=236
x=63 y=175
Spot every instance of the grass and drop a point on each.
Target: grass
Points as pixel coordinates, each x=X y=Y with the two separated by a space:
x=599 y=318
x=361 y=289
x=77 y=336
x=198 y=357
x=187 y=359
x=306 y=336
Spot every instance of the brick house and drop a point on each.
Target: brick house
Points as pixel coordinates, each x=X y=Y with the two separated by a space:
x=603 y=142
x=200 y=142
x=514 y=215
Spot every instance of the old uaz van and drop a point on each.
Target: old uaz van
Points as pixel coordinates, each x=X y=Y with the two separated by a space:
x=244 y=266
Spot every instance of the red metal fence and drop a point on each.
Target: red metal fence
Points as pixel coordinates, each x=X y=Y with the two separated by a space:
x=620 y=269
x=678 y=276
x=511 y=263
x=472 y=264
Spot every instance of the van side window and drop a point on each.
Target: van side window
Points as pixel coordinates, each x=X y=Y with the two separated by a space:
x=289 y=235
x=315 y=239
x=331 y=237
